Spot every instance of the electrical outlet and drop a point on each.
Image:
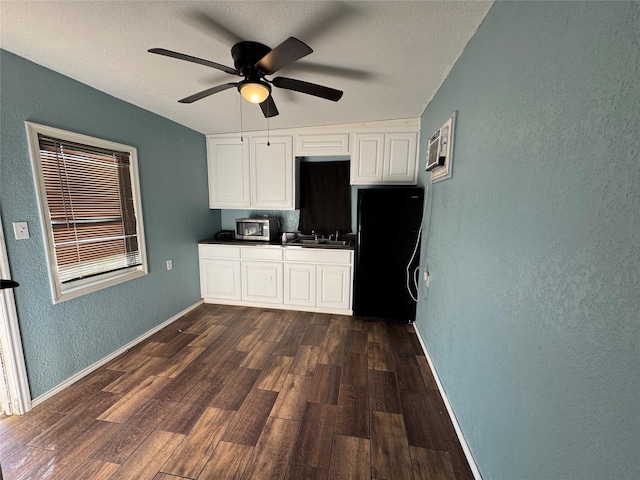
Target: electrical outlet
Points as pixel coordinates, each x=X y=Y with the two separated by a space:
x=426 y=277
x=169 y=264
x=21 y=230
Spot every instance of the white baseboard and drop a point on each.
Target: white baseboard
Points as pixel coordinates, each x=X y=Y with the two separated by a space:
x=86 y=371
x=454 y=420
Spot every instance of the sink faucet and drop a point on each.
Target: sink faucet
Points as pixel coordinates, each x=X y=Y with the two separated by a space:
x=315 y=235
x=334 y=236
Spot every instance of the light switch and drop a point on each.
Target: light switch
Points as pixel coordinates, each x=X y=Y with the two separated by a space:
x=21 y=230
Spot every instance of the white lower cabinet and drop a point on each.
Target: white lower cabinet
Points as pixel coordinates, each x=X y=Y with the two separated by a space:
x=316 y=280
x=300 y=284
x=334 y=286
x=220 y=272
x=262 y=282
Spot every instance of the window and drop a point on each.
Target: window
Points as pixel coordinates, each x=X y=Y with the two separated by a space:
x=90 y=210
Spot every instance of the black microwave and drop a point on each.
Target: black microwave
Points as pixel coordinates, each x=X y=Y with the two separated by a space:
x=261 y=229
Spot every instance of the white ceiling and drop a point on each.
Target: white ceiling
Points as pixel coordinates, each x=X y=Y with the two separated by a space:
x=389 y=57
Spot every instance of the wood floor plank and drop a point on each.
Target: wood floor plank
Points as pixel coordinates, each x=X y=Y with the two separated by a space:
x=77 y=396
x=325 y=386
x=425 y=371
x=458 y=460
x=70 y=456
x=333 y=344
x=351 y=458
x=390 y=458
x=383 y=392
x=184 y=416
x=399 y=338
x=236 y=389
x=314 y=334
x=442 y=415
x=181 y=360
x=33 y=424
x=356 y=341
x=172 y=347
x=377 y=332
x=22 y=461
x=431 y=464
x=147 y=460
x=64 y=431
x=259 y=355
x=408 y=373
x=355 y=369
x=380 y=357
x=273 y=450
x=208 y=337
x=315 y=439
x=133 y=401
x=276 y=330
x=274 y=373
x=251 y=418
x=194 y=451
x=228 y=462
x=147 y=366
x=94 y=470
x=305 y=361
x=184 y=383
x=353 y=411
x=126 y=440
x=247 y=340
x=299 y=472
x=292 y=398
x=423 y=429
x=289 y=343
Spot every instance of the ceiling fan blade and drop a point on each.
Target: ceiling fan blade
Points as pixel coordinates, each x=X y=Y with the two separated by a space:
x=269 y=107
x=207 y=92
x=189 y=58
x=308 y=88
x=284 y=54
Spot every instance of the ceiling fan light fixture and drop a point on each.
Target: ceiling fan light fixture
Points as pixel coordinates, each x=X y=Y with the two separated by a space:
x=254 y=91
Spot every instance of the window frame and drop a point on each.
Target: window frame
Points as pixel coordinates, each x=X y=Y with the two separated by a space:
x=61 y=292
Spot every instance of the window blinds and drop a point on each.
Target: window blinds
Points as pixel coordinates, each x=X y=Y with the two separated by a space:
x=91 y=208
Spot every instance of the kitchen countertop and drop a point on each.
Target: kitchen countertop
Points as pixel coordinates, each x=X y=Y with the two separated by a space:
x=273 y=243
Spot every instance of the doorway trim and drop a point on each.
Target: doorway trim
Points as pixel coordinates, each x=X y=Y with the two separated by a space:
x=12 y=356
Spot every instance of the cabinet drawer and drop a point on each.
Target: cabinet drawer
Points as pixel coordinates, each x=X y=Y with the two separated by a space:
x=318 y=255
x=262 y=253
x=219 y=251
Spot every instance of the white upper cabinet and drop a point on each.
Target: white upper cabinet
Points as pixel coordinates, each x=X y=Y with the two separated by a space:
x=228 y=167
x=322 y=144
x=250 y=173
x=384 y=158
x=272 y=173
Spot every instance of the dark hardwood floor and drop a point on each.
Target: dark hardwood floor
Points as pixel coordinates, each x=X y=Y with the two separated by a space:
x=242 y=393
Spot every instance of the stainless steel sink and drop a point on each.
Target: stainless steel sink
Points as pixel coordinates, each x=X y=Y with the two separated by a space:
x=320 y=242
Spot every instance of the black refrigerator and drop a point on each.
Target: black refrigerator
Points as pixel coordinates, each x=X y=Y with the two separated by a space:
x=389 y=221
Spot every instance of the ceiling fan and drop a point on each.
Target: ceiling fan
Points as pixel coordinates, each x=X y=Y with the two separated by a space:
x=253 y=61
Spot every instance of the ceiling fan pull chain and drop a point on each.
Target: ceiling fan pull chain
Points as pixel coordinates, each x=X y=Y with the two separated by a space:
x=241 y=129
x=268 y=132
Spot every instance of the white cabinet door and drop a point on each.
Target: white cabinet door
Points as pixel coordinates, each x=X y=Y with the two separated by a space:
x=334 y=286
x=400 y=157
x=272 y=169
x=220 y=279
x=322 y=144
x=262 y=281
x=300 y=284
x=367 y=158
x=228 y=169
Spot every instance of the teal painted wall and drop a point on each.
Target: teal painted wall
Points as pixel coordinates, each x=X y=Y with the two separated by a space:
x=60 y=340
x=533 y=314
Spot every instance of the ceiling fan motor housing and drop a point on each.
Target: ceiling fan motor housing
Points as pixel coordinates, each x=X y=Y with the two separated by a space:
x=245 y=56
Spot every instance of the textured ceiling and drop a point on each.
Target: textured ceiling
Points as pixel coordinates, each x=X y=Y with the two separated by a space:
x=388 y=57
